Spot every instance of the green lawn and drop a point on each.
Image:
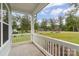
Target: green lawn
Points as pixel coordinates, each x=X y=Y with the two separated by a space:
x=67 y=36
x=21 y=38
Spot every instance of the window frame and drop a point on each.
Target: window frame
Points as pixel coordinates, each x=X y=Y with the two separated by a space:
x=6 y=23
x=0 y=25
x=8 y=14
x=2 y=22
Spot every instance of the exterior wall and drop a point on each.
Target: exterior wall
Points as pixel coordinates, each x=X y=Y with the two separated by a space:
x=5 y=47
x=4 y=50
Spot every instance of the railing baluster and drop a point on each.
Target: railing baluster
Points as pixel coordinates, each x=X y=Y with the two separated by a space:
x=55 y=49
x=44 y=44
x=75 y=53
x=50 y=47
x=63 y=51
x=68 y=52
x=47 y=45
x=58 y=50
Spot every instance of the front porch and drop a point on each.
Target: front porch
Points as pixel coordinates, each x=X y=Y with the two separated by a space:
x=40 y=45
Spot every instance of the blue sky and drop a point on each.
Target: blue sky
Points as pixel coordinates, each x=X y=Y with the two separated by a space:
x=53 y=10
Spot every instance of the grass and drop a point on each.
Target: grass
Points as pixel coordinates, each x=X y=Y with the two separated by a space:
x=66 y=36
x=21 y=38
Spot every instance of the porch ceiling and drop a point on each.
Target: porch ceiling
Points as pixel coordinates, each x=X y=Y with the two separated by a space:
x=31 y=8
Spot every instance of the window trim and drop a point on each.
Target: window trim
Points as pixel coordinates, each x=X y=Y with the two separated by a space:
x=6 y=23
x=8 y=13
x=2 y=22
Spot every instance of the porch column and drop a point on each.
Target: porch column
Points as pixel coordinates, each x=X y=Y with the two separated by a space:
x=10 y=28
x=1 y=24
x=32 y=26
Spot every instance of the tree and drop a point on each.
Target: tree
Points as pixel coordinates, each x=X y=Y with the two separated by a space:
x=52 y=24
x=36 y=26
x=71 y=23
x=60 y=23
x=77 y=23
x=14 y=26
x=44 y=25
x=25 y=24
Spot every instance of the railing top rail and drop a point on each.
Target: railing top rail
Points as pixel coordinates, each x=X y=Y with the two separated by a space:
x=22 y=34
x=59 y=41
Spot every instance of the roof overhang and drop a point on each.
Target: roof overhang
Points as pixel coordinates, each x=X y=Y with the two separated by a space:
x=32 y=8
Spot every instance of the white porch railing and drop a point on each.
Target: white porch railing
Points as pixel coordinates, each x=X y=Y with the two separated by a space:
x=55 y=47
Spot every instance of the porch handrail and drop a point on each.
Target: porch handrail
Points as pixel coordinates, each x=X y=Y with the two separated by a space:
x=54 y=46
x=21 y=34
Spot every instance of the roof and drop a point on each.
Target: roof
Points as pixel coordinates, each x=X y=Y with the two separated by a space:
x=31 y=8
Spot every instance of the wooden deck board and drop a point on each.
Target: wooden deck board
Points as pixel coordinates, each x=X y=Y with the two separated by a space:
x=28 y=49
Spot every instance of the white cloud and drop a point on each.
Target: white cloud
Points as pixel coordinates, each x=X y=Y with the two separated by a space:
x=46 y=10
x=56 y=11
x=42 y=12
x=77 y=13
x=39 y=21
x=68 y=9
x=53 y=4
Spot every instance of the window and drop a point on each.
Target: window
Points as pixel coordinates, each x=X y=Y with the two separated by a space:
x=5 y=23
x=5 y=33
x=0 y=11
x=5 y=13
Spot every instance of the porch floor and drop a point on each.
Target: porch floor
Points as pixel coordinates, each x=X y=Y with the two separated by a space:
x=27 y=49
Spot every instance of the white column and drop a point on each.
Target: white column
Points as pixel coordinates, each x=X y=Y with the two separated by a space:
x=1 y=24
x=32 y=26
x=10 y=28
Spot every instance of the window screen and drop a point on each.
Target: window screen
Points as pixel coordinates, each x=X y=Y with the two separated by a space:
x=5 y=24
x=5 y=33
x=0 y=11
x=5 y=13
